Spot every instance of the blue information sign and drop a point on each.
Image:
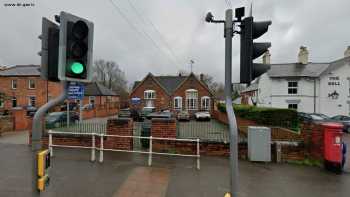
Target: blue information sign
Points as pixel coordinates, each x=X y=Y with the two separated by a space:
x=75 y=91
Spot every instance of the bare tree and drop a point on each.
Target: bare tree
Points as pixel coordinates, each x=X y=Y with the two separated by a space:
x=110 y=75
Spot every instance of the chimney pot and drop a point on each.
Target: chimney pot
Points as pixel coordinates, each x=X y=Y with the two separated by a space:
x=347 y=52
x=267 y=57
x=201 y=77
x=303 y=56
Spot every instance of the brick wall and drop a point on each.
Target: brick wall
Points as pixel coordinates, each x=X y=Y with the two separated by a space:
x=192 y=83
x=6 y=124
x=122 y=127
x=162 y=100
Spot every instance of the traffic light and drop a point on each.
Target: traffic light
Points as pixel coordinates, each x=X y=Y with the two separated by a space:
x=250 y=50
x=75 y=55
x=49 y=50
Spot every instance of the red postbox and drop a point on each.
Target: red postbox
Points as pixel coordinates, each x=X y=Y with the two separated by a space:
x=333 y=153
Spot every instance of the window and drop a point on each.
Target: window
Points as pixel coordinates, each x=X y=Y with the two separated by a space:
x=292 y=87
x=31 y=101
x=1 y=102
x=178 y=102
x=14 y=84
x=205 y=103
x=149 y=96
x=14 y=102
x=191 y=99
x=92 y=101
x=293 y=106
x=31 y=84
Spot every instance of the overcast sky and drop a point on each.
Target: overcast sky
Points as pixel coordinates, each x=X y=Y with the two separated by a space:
x=172 y=32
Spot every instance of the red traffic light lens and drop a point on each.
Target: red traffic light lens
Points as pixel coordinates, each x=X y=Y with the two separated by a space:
x=80 y=30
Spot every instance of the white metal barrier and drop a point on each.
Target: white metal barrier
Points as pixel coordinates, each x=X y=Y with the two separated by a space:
x=101 y=148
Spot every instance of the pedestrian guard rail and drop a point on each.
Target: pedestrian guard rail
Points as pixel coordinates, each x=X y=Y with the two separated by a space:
x=101 y=148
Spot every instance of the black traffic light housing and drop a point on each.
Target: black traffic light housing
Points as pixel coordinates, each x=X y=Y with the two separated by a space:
x=75 y=52
x=49 y=50
x=251 y=50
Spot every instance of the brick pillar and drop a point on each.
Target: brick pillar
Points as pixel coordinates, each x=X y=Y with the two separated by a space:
x=163 y=128
x=122 y=126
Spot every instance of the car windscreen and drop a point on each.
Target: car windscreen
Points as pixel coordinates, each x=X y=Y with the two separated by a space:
x=316 y=117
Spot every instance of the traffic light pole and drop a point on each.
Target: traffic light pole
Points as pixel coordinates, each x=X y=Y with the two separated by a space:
x=37 y=130
x=229 y=106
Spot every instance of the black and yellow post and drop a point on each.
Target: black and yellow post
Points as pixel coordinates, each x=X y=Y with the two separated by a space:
x=43 y=161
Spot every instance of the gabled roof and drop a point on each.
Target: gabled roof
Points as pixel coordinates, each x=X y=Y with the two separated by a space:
x=21 y=70
x=309 y=70
x=169 y=83
x=97 y=89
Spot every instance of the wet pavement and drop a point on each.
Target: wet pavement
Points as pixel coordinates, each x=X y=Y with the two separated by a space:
x=15 y=137
x=73 y=175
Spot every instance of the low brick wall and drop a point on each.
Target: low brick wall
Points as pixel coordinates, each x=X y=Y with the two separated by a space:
x=6 y=124
x=123 y=127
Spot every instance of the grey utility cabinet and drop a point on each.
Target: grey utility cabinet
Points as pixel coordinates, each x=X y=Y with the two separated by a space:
x=259 y=144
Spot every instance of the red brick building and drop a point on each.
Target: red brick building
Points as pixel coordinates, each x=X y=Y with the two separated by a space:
x=21 y=88
x=172 y=92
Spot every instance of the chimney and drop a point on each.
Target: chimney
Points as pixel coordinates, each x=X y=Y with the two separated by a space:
x=303 y=56
x=201 y=77
x=347 y=52
x=266 y=57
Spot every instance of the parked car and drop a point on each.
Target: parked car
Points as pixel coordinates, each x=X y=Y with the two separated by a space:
x=345 y=120
x=203 y=115
x=183 y=115
x=147 y=110
x=56 y=119
x=313 y=117
x=124 y=113
x=159 y=115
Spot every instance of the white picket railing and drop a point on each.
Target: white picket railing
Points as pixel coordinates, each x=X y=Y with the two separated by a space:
x=101 y=149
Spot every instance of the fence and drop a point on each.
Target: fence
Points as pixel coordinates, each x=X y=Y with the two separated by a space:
x=101 y=148
x=80 y=127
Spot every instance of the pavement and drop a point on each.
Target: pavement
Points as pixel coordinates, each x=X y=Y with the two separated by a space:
x=15 y=137
x=127 y=174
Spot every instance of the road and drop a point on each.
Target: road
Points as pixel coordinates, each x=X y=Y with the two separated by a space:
x=73 y=175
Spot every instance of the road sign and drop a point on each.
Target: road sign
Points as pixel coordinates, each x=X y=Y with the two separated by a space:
x=136 y=101
x=75 y=91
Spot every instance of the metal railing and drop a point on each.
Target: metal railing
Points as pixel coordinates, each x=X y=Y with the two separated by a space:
x=101 y=149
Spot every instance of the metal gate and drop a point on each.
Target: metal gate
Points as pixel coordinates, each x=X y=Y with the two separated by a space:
x=141 y=129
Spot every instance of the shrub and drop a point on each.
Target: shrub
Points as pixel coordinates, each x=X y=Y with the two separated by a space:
x=287 y=118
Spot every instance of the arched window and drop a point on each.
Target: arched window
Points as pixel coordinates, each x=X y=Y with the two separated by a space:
x=205 y=100
x=192 y=99
x=178 y=102
x=149 y=97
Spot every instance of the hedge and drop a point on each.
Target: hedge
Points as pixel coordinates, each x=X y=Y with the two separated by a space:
x=287 y=118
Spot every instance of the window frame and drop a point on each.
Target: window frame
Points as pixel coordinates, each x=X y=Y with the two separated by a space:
x=179 y=99
x=290 y=106
x=149 y=94
x=192 y=100
x=29 y=84
x=292 y=88
x=12 y=101
x=14 y=84
x=2 y=102
x=203 y=99
x=30 y=101
x=92 y=98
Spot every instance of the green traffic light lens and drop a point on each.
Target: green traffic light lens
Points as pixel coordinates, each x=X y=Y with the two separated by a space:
x=77 y=68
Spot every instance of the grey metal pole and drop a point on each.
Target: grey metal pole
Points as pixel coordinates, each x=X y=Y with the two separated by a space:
x=68 y=113
x=37 y=131
x=229 y=107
